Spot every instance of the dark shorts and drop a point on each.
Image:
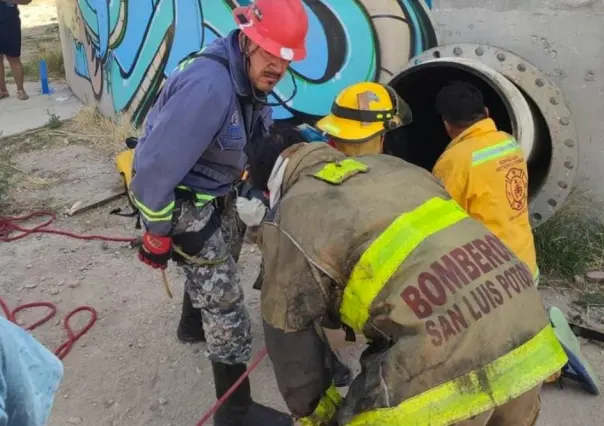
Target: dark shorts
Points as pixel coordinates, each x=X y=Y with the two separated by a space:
x=10 y=38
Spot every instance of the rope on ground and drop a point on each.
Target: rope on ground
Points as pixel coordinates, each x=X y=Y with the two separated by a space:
x=13 y=224
x=62 y=351
x=10 y=224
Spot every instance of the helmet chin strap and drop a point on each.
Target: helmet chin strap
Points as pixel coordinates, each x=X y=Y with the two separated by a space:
x=259 y=96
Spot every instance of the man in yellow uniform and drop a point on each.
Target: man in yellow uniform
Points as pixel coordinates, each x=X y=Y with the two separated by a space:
x=456 y=329
x=349 y=126
x=484 y=170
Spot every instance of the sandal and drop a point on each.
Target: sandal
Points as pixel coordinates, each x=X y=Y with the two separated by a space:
x=21 y=95
x=4 y=95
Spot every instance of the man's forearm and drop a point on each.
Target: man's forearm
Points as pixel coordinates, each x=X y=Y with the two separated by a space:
x=302 y=367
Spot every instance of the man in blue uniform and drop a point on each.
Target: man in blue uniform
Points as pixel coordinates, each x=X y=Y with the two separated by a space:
x=184 y=169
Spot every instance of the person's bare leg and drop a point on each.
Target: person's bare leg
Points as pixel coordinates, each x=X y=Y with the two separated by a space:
x=18 y=74
x=3 y=89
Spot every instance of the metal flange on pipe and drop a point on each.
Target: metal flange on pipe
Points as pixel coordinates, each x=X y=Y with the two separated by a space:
x=521 y=100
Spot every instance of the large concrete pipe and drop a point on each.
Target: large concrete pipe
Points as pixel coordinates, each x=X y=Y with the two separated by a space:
x=522 y=101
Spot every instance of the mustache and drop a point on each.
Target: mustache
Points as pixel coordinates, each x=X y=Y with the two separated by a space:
x=272 y=74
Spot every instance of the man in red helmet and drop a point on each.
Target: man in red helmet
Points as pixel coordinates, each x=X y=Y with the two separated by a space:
x=185 y=166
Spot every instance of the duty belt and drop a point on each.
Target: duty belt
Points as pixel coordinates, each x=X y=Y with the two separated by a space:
x=188 y=245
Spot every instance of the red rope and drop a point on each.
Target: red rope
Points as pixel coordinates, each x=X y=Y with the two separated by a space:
x=257 y=360
x=11 y=224
x=72 y=337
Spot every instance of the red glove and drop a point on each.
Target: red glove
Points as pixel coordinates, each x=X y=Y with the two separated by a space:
x=155 y=251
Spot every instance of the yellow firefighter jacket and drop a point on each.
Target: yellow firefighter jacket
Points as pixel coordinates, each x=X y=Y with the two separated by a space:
x=485 y=172
x=456 y=326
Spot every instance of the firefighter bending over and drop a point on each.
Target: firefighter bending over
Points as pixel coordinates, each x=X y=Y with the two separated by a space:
x=456 y=327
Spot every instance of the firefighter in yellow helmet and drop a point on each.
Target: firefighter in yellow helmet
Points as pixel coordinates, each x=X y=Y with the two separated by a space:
x=360 y=116
x=457 y=333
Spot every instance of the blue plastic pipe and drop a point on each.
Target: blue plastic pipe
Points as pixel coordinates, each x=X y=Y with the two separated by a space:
x=44 y=77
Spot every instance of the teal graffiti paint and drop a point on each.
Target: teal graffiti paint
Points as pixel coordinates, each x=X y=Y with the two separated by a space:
x=130 y=46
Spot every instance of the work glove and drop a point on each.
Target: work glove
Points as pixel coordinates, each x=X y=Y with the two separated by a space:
x=325 y=412
x=155 y=251
x=251 y=211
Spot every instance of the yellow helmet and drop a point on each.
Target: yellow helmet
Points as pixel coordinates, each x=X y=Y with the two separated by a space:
x=363 y=111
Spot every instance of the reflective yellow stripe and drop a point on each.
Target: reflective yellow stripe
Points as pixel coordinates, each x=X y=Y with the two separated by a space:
x=537 y=277
x=496 y=151
x=388 y=251
x=201 y=199
x=162 y=215
x=325 y=411
x=493 y=385
x=338 y=172
x=181 y=66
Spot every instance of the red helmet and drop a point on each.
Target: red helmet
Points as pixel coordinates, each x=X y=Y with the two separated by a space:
x=278 y=26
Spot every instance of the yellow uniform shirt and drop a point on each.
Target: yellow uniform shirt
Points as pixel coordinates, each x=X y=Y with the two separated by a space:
x=485 y=172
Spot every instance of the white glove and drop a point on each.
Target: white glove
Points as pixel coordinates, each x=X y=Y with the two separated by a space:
x=251 y=211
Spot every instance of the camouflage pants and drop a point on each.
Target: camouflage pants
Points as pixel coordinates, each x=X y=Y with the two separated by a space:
x=216 y=289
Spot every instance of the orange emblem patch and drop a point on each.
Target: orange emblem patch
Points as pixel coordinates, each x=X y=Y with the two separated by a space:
x=516 y=188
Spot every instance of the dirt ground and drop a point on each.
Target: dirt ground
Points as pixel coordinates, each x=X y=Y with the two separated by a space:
x=129 y=369
x=39 y=24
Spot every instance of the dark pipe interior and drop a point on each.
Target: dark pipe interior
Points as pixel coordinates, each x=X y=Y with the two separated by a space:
x=423 y=141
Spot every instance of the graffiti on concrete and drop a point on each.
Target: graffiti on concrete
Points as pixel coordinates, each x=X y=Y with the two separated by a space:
x=126 y=48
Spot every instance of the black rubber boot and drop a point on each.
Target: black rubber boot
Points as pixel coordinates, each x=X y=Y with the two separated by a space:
x=190 y=328
x=239 y=409
x=342 y=375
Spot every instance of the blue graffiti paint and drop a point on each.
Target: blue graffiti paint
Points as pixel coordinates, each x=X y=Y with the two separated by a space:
x=415 y=28
x=80 y=61
x=126 y=85
x=128 y=40
x=359 y=62
x=187 y=38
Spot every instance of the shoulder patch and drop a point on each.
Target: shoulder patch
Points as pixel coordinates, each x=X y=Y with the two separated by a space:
x=233 y=129
x=338 y=172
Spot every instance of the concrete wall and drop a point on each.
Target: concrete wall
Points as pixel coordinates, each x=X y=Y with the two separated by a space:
x=564 y=38
x=116 y=53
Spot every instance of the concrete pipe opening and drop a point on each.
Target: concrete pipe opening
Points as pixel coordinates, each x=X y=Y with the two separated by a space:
x=521 y=100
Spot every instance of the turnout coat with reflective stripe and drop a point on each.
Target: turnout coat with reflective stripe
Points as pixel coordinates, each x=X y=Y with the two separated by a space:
x=484 y=170
x=455 y=323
